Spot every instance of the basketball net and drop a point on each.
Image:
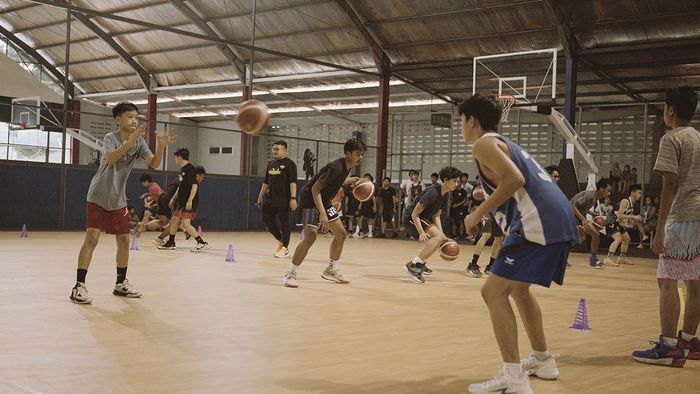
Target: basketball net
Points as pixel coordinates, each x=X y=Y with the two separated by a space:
x=506 y=101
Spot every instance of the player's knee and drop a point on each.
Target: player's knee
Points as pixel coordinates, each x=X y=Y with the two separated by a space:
x=91 y=240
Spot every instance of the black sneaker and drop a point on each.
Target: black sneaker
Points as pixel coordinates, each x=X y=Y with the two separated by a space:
x=414 y=272
x=167 y=246
x=473 y=271
x=487 y=270
x=187 y=236
x=426 y=270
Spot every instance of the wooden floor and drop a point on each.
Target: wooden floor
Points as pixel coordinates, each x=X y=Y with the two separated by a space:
x=204 y=325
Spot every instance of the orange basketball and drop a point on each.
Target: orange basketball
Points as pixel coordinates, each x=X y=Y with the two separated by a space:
x=479 y=193
x=253 y=116
x=449 y=250
x=363 y=191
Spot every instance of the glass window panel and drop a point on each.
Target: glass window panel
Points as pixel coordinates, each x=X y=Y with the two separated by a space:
x=27 y=153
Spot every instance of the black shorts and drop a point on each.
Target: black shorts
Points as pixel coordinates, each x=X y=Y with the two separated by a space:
x=615 y=227
x=311 y=216
x=492 y=227
x=352 y=208
x=387 y=214
x=459 y=213
x=367 y=209
x=411 y=229
x=163 y=208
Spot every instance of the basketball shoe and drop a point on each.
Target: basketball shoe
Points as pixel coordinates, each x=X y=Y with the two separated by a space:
x=691 y=347
x=290 y=280
x=662 y=354
x=125 y=289
x=79 y=294
x=333 y=275
x=543 y=369
x=503 y=383
x=414 y=271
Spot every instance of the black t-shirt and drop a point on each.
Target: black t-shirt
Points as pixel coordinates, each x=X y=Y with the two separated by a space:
x=279 y=174
x=331 y=177
x=432 y=201
x=415 y=190
x=387 y=196
x=188 y=177
x=458 y=196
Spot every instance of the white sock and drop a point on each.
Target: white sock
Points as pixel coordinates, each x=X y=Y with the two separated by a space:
x=370 y=227
x=357 y=229
x=292 y=268
x=541 y=356
x=417 y=260
x=513 y=370
x=687 y=337
x=334 y=264
x=670 y=341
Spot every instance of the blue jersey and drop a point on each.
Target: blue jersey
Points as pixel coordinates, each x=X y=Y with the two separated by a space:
x=538 y=211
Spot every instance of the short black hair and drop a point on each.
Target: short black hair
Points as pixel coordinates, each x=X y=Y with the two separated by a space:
x=684 y=99
x=280 y=142
x=371 y=178
x=386 y=178
x=634 y=168
x=411 y=172
x=200 y=170
x=465 y=174
x=184 y=153
x=550 y=169
x=435 y=174
x=484 y=108
x=635 y=187
x=602 y=183
x=449 y=173
x=353 y=144
x=145 y=178
x=123 y=107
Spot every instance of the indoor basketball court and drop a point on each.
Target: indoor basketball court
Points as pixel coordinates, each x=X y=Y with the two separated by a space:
x=240 y=104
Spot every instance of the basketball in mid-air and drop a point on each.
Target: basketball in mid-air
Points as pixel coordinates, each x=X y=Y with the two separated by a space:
x=478 y=193
x=253 y=116
x=449 y=250
x=363 y=191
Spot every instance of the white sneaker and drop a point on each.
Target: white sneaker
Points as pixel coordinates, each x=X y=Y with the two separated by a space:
x=645 y=238
x=334 y=276
x=79 y=294
x=640 y=246
x=503 y=383
x=159 y=242
x=125 y=289
x=290 y=280
x=369 y=235
x=282 y=253
x=545 y=369
x=199 y=247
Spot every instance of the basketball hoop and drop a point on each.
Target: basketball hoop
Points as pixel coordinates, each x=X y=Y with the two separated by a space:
x=506 y=101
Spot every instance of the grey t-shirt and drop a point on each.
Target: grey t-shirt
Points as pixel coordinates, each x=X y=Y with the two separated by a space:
x=108 y=186
x=679 y=153
x=585 y=200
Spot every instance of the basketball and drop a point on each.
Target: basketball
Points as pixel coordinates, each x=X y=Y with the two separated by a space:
x=449 y=250
x=478 y=194
x=253 y=116
x=363 y=191
x=600 y=221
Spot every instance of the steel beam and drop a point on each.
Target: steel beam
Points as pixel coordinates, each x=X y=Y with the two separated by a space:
x=381 y=60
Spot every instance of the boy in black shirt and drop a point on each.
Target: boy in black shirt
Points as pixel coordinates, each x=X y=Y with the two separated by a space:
x=387 y=196
x=422 y=218
x=187 y=200
x=278 y=195
x=318 y=212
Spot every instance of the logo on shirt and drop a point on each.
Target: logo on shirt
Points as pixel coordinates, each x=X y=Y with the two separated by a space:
x=510 y=261
x=274 y=171
x=282 y=167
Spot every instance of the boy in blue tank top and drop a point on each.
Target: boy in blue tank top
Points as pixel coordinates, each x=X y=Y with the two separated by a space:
x=539 y=226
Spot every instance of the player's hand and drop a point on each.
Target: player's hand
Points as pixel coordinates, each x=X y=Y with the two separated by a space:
x=293 y=205
x=171 y=204
x=323 y=220
x=354 y=180
x=471 y=223
x=258 y=204
x=658 y=244
x=423 y=237
x=140 y=132
x=188 y=206
x=167 y=138
x=144 y=195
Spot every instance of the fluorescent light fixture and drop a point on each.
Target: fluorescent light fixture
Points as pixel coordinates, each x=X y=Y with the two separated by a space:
x=324 y=88
x=140 y=102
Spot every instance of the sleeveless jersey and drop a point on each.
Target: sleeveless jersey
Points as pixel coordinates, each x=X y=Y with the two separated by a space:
x=626 y=223
x=538 y=211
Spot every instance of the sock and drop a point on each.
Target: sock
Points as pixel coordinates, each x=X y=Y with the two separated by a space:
x=357 y=229
x=333 y=263
x=370 y=227
x=541 y=356
x=491 y=260
x=121 y=274
x=81 y=275
x=199 y=240
x=594 y=257
x=292 y=268
x=513 y=370
x=171 y=238
x=610 y=255
x=673 y=342
x=687 y=337
x=475 y=259
x=417 y=260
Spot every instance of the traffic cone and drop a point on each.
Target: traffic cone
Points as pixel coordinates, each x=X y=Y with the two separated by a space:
x=199 y=231
x=581 y=319
x=23 y=233
x=134 y=244
x=229 y=254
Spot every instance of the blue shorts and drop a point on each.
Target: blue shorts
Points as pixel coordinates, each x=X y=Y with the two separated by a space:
x=525 y=261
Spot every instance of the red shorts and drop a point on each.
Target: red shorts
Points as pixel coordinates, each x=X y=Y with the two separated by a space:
x=111 y=222
x=184 y=214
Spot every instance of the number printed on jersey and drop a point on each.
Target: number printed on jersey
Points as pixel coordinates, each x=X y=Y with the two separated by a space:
x=540 y=171
x=332 y=212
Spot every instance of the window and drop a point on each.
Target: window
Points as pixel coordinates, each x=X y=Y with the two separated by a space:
x=33 y=145
x=214 y=150
x=227 y=150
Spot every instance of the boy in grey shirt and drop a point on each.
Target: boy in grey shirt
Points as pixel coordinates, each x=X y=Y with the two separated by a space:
x=106 y=199
x=581 y=204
